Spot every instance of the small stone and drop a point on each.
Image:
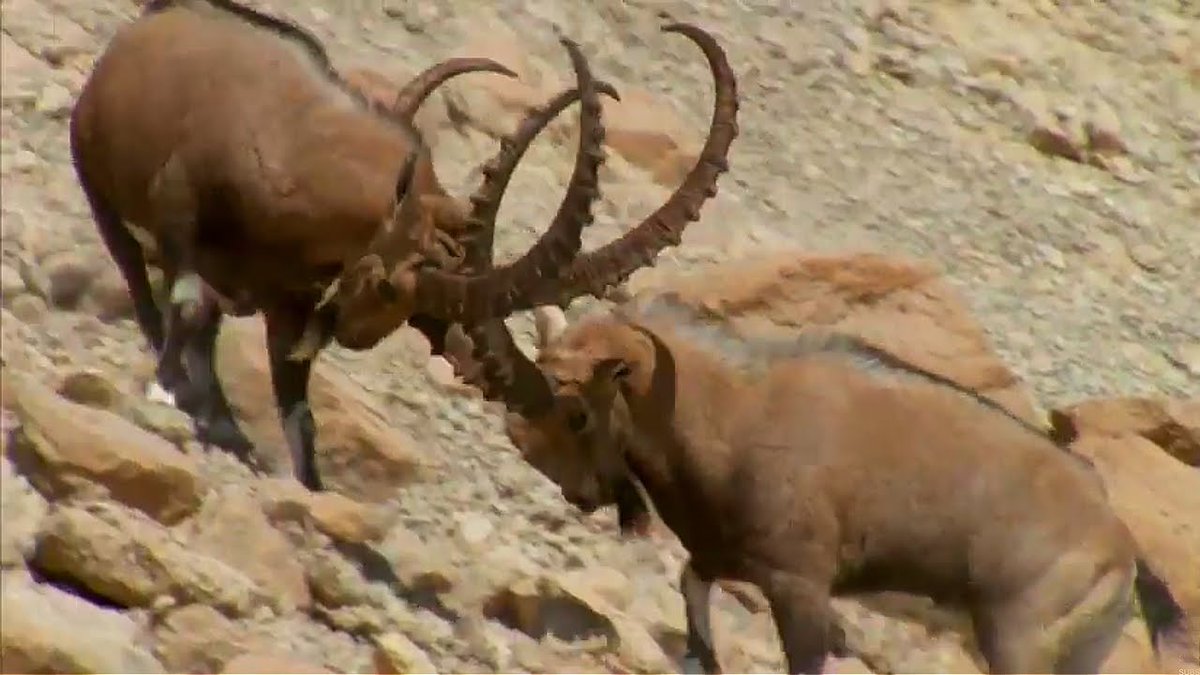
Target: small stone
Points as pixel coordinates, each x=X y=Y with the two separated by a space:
x=91 y=388
x=395 y=653
x=109 y=297
x=28 y=308
x=55 y=101
x=70 y=274
x=474 y=529
x=1188 y=357
x=482 y=639
x=1103 y=131
x=1147 y=256
x=335 y=515
x=1053 y=256
x=197 y=639
x=24 y=161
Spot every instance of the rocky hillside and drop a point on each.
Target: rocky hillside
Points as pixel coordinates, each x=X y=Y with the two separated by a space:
x=1005 y=192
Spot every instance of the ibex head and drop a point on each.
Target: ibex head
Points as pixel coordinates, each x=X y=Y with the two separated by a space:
x=427 y=258
x=578 y=441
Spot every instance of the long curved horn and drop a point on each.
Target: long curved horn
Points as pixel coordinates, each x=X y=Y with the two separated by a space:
x=514 y=380
x=470 y=299
x=596 y=271
x=412 y=95
x=498 y=171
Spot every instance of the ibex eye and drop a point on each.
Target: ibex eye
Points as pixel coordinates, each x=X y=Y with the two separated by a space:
x=577 y=421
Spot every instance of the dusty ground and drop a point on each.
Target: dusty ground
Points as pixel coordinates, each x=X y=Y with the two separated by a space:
x=1046 y=159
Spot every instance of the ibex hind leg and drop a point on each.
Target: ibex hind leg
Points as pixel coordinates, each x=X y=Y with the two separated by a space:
x=186 y=302
x=1066 y=622
x=701 y=656
x=215 y=421
x=127 y=253
x=175 y=213
x=1090 y=632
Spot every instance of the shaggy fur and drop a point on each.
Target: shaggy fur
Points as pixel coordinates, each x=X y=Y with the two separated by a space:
x=827 y=468
x=226 y=139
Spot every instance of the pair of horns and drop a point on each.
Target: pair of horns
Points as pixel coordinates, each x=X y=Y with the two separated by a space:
x=503 y=372
x=469 y=299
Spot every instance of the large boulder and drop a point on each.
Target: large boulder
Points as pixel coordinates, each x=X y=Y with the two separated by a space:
x=903 y=307
x=71 y=450
x=47 y=630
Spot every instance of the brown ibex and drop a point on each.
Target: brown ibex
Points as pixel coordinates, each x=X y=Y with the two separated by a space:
x=259 y=176
x=823 y=466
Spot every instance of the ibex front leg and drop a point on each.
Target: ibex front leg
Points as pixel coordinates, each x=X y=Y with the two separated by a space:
x=217 y=424
x=289 y=379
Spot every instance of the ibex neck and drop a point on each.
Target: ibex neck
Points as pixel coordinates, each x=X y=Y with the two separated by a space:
x=681 y=449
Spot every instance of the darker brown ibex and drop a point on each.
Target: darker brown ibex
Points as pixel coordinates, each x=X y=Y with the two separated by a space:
x=823 y=466
x=259 y=176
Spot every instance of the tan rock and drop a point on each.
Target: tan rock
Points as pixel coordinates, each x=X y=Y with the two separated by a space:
x=232 y=527
x=90 y=388
x=900 y=306
x=1103 y=130
x=396 y=654
x=67 y=449
x=197 y=639
x=335 y=515
x=266 y=663
x=12 y=283
x=567 y=608
x=49 y=631
x=419 y=566
x=358 y=452
x=122 y=555
x=70 y=274
x=335 y=582
x=28 y=308
x=1173 y=425
x=108 y=297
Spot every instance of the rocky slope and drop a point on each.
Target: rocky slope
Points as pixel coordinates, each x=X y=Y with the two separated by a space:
x=1030 y=172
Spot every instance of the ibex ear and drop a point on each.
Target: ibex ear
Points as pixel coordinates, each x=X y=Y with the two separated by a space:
x=614 y=369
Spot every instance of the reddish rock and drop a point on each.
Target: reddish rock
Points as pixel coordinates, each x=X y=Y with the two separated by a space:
x=900 y=306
